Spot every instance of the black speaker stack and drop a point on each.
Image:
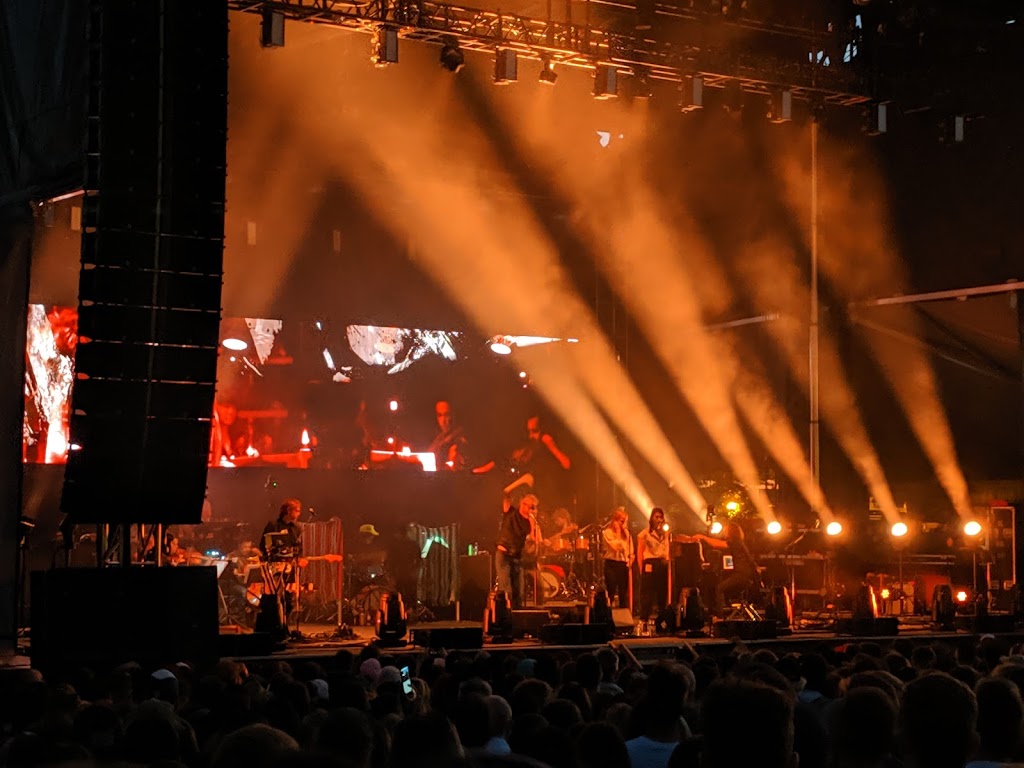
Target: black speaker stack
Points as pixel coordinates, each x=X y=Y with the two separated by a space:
x=152 y=262
x=149 y=317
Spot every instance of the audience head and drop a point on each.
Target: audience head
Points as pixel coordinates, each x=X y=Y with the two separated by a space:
x=766 y=715
x=425 y=741
x=1000 y=719
x=600 y=745
x=254 y=746
x=937 y=722
x=863 y=726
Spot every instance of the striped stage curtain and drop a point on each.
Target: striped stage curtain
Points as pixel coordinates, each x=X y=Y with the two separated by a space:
x=326 y=538
x=439 y=570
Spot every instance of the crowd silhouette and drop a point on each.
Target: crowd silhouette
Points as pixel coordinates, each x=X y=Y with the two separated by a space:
x=860 y=705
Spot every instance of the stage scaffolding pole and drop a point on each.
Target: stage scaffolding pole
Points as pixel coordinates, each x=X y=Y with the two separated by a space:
x=813 y=330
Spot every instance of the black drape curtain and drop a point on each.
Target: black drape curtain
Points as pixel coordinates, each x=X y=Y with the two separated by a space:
x=42 y=98
x=15 y=251
x=42 y=131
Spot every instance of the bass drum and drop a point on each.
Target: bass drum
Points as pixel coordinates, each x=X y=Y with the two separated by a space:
x=551 y=581
x=365 y=605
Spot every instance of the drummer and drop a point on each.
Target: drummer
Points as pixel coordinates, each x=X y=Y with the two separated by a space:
x=560 y=531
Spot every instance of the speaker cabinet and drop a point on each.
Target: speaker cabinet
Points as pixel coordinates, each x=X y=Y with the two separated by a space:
x=474 y=585
x=151 y=262
x=101 y=617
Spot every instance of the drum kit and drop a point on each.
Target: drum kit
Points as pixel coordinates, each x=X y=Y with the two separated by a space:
x=568 y=565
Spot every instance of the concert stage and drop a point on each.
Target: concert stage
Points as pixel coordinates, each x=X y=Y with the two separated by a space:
x=320 y=642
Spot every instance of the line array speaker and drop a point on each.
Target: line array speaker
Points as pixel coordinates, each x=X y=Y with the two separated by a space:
x=151 y=264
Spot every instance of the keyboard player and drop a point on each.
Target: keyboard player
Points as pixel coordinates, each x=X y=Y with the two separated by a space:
x=743 y=577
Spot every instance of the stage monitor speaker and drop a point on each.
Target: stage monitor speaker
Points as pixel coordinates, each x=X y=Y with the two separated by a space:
x=442 y=635
x=101 y=617
x=745 y=630
x=151 y=263
x=528 y=622
x=474 y=585
x=575 y=634
x=622 y=619
x=687 y=564
x=884 y=626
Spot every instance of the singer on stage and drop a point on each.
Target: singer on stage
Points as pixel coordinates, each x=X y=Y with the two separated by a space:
x=518 y=524
x=652 y=553
x=617 y=543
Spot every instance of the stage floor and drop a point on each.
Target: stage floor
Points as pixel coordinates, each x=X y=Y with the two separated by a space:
x=321 y=641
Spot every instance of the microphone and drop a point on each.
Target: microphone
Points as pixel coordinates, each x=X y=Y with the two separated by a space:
x=311 y=511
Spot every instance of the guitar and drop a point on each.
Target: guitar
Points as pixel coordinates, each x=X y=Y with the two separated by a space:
x=328 y=558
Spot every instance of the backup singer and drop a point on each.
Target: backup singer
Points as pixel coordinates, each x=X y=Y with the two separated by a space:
x=618 y=558
x=652 y=547
x=518 y=525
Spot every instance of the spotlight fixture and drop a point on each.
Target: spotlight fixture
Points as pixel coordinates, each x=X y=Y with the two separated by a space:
x=272 y=29
x=834 y=528
x=500 y=345
x=691 y=93
x=972 y=528
x=780 y=106
x=716 y=528
x=961 y=596
x=645 y=10
x=452 y=58
x=951 y=129
x=878 y=119
x=641 y=83
x=547 y=71
x=606 y=82
x=235 y=345
x=384 y=46
x=774 y=528
x=899 y=529
x=732 y=506
x=392 y=625
x=733 y=103
x=506 y=69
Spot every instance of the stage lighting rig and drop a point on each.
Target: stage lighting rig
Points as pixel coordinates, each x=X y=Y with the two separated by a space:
x=899 y=529
x=451 y=56
x=972 y=528
x=691 y=90
x=774 y=528
x=781 y=58
x=877 y=118
x=272 y=29
x=547 y=75
x=834 y=528
x=506 y=68
x=384 y=46
x=606 y=82
x=780 y=106
x=641 y=83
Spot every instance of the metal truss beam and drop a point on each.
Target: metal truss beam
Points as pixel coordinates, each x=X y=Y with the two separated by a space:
x=756 y=68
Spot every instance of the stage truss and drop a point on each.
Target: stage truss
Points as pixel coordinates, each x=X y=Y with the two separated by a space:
x=761 y=58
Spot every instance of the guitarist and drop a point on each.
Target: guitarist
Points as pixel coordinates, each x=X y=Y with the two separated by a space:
x=281 y=548
x=449 y=444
